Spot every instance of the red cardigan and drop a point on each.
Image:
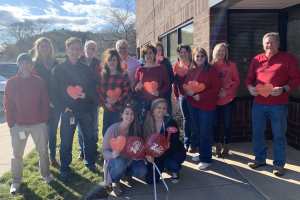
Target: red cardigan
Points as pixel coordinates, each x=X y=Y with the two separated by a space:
x=281 y=69
x=26 y=101
x=212 y=82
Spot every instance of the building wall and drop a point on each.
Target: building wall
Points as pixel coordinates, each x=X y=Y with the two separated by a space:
x=167 y=14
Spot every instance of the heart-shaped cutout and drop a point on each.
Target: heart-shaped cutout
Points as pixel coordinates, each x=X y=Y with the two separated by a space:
x=74 y=92
x=181 y=71
x=151 y=86
x=118 y=143
x=194 y=86
x=264 y=89
x=114 y=93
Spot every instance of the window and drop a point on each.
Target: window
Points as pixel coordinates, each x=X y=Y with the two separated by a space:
x=187 y=34
x=173 y=46
x=164 y=42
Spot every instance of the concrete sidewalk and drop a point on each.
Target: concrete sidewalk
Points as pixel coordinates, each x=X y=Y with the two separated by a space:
x=227 y=179
x=6 y=149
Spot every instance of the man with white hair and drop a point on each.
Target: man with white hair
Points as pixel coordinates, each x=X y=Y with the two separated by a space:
x=26 y=106
x=271 y=77
x=129 y=63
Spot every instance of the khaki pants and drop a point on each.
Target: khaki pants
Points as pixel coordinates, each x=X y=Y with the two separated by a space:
x=19 y=135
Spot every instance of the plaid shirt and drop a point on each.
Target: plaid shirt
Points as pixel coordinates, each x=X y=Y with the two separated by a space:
x=112 y=82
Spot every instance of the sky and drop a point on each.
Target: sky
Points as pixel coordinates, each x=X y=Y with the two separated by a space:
x=79 y=15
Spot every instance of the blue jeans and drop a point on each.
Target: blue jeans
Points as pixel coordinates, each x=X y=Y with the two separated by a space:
x=120 y=166
x=54 y=115
x=95 y=126
x=203 y=123
x=277 y=114
x=67 y=130
x=109 y=118
x=189 y=137
x=223 y=114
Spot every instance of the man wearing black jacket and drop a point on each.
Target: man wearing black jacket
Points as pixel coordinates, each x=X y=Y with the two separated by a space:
x=76 y=96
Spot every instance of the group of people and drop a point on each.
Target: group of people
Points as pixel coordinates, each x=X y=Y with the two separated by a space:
x=136 y=98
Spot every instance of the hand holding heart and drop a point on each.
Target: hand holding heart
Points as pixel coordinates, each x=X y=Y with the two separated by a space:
x=118 y=143
x=75 y=92
x=151 y=87
x=264 y=89
x=194 y=86
x=113 y=95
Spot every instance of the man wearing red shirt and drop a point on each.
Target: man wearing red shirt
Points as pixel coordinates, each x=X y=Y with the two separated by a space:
x=26 y=106
x=271 y=76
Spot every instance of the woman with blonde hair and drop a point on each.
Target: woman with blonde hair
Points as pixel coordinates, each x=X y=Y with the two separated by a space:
x=202 y=86
x=229 y=76
x=44 y=62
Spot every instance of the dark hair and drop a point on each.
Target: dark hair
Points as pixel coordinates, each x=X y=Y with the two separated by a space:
x=107 y=55
x=206 y=65
x=146 y=48
x=184 y=46
x=159 y=44
x=134 y=129
x=72 y=40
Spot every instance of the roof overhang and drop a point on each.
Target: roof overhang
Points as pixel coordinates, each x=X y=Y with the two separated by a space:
x=262 y=4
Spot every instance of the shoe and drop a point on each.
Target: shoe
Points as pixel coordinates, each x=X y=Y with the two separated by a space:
x=225 y=150
x=193 y=150
x=195 y=158
x=278 y=171
x=116 y=188
x=175 y=178
x=128 y=180
x=54 y=163
x=203 y=165
x=218 y=150
x=48 y=178
x=14 y=188
x=255 y=165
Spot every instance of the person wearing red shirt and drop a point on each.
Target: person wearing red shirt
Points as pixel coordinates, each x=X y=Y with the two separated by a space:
x=180 y=69
x=229 y=76
x=152 y=81
x=26 y=105
x=202 y=85
x=271 y=77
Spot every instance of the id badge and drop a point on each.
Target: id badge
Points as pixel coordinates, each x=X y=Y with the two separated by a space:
x=72 y=121
x=22 y=135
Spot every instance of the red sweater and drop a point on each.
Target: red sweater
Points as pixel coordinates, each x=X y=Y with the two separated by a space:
x=281 y=69
x=158 y=74
x=230 y=81
x=212 y=82
x=26 y=101
x=179 y=76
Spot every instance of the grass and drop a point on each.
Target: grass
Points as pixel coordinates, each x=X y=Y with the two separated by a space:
x=34 y=188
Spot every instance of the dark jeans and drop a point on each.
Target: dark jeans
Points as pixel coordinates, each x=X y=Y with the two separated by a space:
x=277 y=114
x=203 y=123
x=95 y=126
x=223 y=114
x=189 y=137
x=67 y=130
x=119 y=167
x=109 y=118
x=54 y=115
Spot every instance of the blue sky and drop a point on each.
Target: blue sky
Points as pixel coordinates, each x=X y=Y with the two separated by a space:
x=80 y=15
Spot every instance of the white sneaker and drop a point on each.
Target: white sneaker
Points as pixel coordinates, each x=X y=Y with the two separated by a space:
x=203 y=165
x=14 y=187
x=195 y=158
x=48 y=178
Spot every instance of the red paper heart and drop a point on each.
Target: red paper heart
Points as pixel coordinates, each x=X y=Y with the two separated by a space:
x=264 y=89
x=74 y=92
x=134 y=148
x=151 y=86
x=181 y=71
x=118 y=143
x=114 y=93
x=194 y=86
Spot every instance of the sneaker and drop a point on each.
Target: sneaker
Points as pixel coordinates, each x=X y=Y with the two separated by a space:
x=195 y=158
x=255 y=165
x=175 y=177
x=278 y=171
x=225 y=150
x=14 y=188
x=48 y=178
x=203 y=165
x=116 y=188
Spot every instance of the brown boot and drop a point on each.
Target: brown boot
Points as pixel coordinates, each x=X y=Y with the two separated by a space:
x=218 y=150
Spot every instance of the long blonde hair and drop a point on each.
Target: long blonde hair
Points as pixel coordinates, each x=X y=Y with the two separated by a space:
x=35 y=50
x=215 y=52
